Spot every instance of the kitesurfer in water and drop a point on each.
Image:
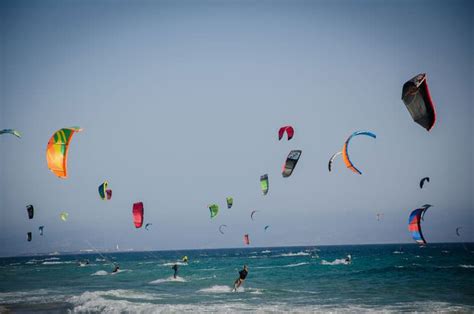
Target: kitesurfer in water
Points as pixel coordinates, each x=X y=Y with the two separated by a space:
x=175 y=268
x=84 y=262
x=116 y=269
x=242 y=275
x=348 y=259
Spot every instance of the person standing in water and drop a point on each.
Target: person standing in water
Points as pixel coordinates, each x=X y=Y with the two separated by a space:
x=175 y=268
x=242 y=275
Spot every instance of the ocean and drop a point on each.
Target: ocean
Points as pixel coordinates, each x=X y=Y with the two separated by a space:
x=388 y=278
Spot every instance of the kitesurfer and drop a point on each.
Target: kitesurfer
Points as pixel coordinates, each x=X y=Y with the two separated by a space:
x=116 y=269
x=242 y=275
x=348 y=259
x=84 y=262
x=175 y=268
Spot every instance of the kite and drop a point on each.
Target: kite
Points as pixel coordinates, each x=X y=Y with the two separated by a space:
x=266 y=227
x=457 y=231
x=30 y=210
x=253 y=212
x=290 y=163
x=422 y=182
x=379 y=216
x=230 y=202
x=246 y=239
x=264 y=184
x=147 y=225
x=11 y=131
x=102 y=191
x=214 y=210
x=416 y=97
x=220 y=228
x=57 y=150
x=289 y=132
x=137 y=212
x=332 y=159
x=40 y=228
x=414 y=225
x=64 y=216
x=29 y=236
x=345 y=154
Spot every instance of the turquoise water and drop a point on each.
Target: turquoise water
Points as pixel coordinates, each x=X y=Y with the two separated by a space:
x=394 y=278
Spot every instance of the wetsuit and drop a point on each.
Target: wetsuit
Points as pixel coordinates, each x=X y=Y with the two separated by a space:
x=175 y=268
x=243 y=274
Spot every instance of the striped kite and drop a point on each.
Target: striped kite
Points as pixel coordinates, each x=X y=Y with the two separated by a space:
x=414 y=225
x=102 y=189
x=345 y=154
x=57 y=150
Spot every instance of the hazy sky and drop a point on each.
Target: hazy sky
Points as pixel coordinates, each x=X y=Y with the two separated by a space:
x=181 y=101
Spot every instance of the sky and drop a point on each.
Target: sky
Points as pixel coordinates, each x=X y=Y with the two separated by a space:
x=180 y=104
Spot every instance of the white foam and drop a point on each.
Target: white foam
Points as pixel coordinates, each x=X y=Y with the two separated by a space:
x=204 y=278
x=339 y=261
x=254 y=291
x=56 y=263
x=52 y=259
x=266 y=252
x=175 y=263
x=169 y=279
x=466 y=266
x=294 y=254
x=32 y=297
x=220 y=289
x=131 y=301
x=296 y=265
x=100 y=273
x=397 y=252
x=97 y=301
x=281 y=266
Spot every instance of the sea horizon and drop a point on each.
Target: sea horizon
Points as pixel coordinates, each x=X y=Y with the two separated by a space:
x=94 y=251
